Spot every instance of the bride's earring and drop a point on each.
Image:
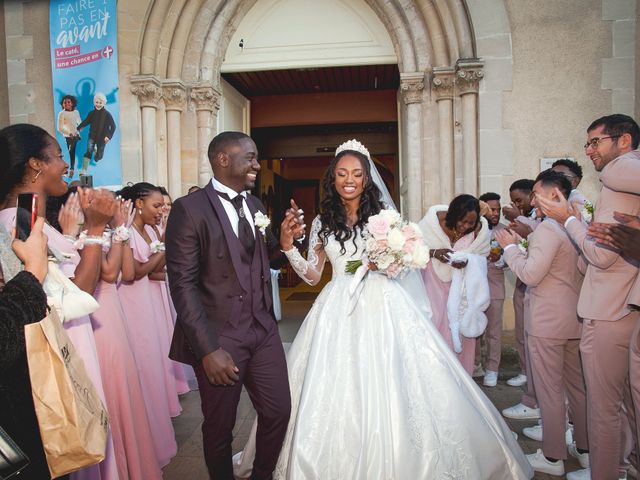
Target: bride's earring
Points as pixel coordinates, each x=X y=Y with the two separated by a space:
x=38 y=172
x=140 y=211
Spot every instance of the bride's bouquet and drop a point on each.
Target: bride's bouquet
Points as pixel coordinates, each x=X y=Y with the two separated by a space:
x=392 y=244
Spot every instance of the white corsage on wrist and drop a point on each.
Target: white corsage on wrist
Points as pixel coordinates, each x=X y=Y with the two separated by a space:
x=261 y=221
x=120 y=234
x=156 y=246
x=83 y=239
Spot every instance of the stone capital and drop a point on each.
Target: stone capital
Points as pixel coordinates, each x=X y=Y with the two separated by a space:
x=443 y=83
x=147 y=89
x=205 y=97
x=468 y=75
x=411 y=87
x=174 y=93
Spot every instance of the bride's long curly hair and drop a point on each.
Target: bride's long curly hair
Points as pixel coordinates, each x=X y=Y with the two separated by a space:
x=333 y=214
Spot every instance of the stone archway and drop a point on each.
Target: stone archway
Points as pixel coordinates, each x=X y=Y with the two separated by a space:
x=180 y=51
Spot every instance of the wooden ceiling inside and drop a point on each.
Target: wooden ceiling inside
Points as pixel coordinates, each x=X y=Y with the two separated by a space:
x=315 y=80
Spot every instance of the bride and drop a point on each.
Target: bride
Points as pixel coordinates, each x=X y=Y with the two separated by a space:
x=376 y=392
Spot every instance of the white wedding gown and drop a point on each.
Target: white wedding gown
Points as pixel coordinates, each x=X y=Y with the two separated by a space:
x=378 y=394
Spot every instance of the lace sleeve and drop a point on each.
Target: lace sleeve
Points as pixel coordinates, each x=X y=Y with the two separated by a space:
x=310 y=270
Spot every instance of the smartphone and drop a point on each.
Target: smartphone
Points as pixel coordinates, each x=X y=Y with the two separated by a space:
x=86 y=181
x=26 y=214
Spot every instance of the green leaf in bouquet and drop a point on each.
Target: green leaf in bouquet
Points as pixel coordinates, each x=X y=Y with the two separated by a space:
x=352 y=266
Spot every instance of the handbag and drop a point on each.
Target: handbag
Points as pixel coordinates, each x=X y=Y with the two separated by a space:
x=72 y=419
x=62 y=294
x=12 y=459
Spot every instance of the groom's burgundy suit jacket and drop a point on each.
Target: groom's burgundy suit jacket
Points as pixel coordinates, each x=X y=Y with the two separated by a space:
x=212 y=289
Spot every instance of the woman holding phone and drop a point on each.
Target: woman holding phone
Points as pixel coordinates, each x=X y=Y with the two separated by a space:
x=31 y=161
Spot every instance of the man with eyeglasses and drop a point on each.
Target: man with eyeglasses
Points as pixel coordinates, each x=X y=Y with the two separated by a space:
x=573 y=171
x=608 y=320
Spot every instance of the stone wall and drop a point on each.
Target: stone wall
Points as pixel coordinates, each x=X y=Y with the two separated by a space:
x=549 y=69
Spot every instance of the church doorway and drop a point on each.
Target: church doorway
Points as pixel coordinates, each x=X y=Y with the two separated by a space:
x=299 y=116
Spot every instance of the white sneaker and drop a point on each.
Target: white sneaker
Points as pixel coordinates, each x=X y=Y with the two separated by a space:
x=584 y=474
x=534 y=433
x=517 y=381
x=540 y=464
x=521 y=412
x=583 y=458
x=478 y=371
x=490 y=379
x=568 y=436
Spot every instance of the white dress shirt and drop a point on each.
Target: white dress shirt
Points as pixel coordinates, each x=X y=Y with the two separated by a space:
x=230 y=209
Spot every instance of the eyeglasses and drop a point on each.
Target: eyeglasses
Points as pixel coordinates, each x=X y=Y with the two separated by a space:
x=595 y=141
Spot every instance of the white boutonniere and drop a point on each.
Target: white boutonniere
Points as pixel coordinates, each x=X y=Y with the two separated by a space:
x=261 y=221
x=156 y=246
x=587 y=211
x=523 y=245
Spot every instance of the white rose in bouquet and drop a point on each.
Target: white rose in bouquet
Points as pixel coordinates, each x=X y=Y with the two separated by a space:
x=395 y=239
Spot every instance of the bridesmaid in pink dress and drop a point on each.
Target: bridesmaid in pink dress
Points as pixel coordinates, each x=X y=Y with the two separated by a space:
x=161 y=298
x=184 y=374
x=132 y=438
x=443 y=236
x=438 y=293
x=148 y=337
x=38 y=167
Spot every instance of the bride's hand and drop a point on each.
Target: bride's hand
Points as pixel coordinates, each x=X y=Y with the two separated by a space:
x=290 y=228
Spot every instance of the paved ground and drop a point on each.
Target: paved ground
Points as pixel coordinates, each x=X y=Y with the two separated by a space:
x=189 y=463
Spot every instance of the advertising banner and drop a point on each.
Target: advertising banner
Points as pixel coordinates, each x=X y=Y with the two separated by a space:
x=84 y=68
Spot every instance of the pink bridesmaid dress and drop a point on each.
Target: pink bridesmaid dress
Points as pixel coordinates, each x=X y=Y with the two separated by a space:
x=132 y=437
x=81 y=334
x=150 y=351
x=163 y=300
x=438 y=293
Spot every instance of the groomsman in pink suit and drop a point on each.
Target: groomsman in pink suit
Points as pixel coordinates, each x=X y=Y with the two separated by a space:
x=218 y=265
x=623 y=175
x=495 y=274
x=519 y=214
x=608 y=321
x=549 y=267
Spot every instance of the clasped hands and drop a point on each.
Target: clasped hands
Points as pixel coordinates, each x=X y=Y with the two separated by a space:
x=443 y=254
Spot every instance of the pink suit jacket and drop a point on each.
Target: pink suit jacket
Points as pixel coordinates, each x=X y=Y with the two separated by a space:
x=610 y=277
x=625 y=177
x=550 y=270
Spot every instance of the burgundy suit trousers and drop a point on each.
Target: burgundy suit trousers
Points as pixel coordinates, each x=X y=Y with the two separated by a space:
x=263 y=371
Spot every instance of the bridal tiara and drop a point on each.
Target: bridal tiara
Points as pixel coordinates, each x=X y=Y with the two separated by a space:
x=355 y=146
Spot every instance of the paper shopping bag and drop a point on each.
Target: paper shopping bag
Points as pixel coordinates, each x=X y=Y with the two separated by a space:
x=72 y=418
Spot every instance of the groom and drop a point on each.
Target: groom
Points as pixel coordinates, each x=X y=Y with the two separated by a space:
x=218 y=266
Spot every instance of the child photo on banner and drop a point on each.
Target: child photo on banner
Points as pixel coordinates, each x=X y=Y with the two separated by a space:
x=84 y=69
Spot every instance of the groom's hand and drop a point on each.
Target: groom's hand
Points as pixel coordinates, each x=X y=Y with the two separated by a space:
x=220 y=368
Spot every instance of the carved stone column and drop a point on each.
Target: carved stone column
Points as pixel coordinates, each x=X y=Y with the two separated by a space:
x=207 y=102
x=468 y=75
x=175 y=100
x=411 y=89
x=442 y=85
x=147 y=89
